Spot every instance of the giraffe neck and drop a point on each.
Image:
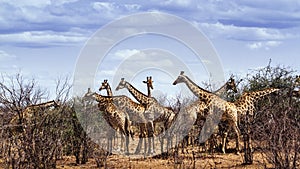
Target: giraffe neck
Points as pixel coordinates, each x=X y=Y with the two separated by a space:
x=42 y=105
x=260 y=94
x=108 y=90
x=139 y=96
x=222 y=90
x=198 y=91
x=248 y=99
x=149 y=91
x=101 y=99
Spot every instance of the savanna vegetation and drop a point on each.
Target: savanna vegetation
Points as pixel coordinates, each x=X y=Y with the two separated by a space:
x=56 y=134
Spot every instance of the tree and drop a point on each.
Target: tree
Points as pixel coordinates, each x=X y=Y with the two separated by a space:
x=275 y=125
x=32 y=132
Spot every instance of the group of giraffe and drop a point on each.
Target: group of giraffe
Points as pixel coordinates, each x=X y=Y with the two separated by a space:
x=121 y=111
x=220 y=109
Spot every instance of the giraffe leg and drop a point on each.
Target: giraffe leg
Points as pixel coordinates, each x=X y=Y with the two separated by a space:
x=150 y=137
x=153 y=143
x=139 y=146
x=110 y=137
x=169 y=142
x=141 y=135
x=127 y=144
x=224 y=137
x=162 y=144
x=145 y=146
x=122 y=146
x=237 y=132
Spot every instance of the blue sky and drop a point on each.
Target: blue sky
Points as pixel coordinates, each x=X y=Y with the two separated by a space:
x=43 y=38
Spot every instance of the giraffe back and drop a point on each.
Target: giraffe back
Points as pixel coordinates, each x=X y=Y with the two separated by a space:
x=247 y=100
x=135 y=110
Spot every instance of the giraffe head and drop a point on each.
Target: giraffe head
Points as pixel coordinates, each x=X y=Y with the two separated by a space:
x=56 y=104
x=149 y=82
x=121 y=85
x=230 y=84
x=180 y=78
x=104 y=85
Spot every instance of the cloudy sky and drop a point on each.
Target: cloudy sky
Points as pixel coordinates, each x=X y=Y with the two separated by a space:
x=43 y=39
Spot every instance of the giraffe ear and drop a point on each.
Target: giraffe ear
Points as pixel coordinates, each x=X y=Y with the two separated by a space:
x=182 y=72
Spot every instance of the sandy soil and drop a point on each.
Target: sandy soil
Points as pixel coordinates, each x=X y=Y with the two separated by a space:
x=202 y=160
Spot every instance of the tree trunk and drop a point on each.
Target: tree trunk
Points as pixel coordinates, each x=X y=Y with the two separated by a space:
x=248 y=154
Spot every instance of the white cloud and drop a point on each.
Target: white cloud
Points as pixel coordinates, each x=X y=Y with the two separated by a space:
x=4 y=55
x=61 y=2
x=34 y=3
x=179 y=2
x=132 y=7
x=264 y=45
x=123 y=54
x=42 y=38
x=104 y=6
x=273 y=43
x=216 y=30
x=106 y=73
x=107 y=9
x=239 y=20
x=255 y=45
x=113 y=10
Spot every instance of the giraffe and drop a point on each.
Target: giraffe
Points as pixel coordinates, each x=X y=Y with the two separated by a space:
x=105 y=86
x=135 y=112
x=246 y=103
x=30 y=111
x=118 y=120
x=109 y=93
x=154 y=112
x=40 y=106
x=162 y=119
x=199 y=106
x=218 y=108
x=149 y=83
x=232 y=110
x=247 y=100
x=229 y=85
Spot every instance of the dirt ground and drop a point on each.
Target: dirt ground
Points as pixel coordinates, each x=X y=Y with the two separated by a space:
x=202 y=160
x=182 y=160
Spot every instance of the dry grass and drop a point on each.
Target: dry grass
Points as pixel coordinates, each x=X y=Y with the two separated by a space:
x=202 y=160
